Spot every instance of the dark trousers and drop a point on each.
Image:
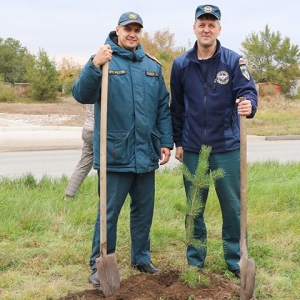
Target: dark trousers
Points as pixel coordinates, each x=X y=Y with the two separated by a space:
x=228 y=192
x=141 y=188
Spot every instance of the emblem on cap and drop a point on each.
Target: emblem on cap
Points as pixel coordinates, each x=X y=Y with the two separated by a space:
x=132 y=16
x=207 y=9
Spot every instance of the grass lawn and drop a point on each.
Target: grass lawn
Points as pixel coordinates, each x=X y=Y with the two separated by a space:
x=45 y=241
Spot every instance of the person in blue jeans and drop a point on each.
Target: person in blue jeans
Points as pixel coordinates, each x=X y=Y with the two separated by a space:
x=139 y=135
x=206 y=84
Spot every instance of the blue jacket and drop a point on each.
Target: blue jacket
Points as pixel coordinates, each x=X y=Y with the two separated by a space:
x=203 y=105
x=138 y=113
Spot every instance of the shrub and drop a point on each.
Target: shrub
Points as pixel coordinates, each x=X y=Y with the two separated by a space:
x=43 y=78
x=67 y=85
x=6 y=94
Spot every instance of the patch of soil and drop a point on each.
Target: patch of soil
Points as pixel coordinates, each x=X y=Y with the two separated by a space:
x=67 y=112
x=166 y=286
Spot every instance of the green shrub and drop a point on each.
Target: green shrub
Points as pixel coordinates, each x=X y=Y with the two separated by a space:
x=43 y=78
x=6 y=94
x=67 y=85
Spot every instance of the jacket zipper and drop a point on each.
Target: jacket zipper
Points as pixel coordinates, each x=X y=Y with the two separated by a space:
x=204 y=77
x=205 y=98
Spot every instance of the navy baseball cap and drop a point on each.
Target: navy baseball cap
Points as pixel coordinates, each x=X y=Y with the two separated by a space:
x=208 y=9
x=130 y=17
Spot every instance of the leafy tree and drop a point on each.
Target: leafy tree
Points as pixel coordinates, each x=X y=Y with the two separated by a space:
x=164 y=40
x=272 y=58
x=43 y=77
x=68 y=73
x=13 y=60
x=161 y=46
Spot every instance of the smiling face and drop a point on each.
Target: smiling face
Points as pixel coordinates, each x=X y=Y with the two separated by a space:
x=129 y=36
x=207 y=31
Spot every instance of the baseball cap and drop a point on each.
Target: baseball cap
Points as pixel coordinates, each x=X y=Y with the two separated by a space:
x=208 y=9
x=130 y=17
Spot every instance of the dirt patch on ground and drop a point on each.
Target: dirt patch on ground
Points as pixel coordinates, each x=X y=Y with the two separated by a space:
x=164 y=286
x=68 y=112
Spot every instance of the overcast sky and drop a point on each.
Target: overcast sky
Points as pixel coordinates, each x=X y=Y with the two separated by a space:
x=77 y=28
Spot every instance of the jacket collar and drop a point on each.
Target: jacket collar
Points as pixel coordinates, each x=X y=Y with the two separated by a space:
x=193 y=56
x=136 y=55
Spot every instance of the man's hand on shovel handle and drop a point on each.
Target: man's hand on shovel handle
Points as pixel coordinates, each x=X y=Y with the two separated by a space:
x=244 y=107
x=103 y=55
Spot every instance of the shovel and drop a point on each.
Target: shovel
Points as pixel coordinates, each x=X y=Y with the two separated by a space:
x=247 y=265
x=107 y=266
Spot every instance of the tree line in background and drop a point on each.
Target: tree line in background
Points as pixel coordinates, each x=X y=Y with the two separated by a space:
x=270 y=58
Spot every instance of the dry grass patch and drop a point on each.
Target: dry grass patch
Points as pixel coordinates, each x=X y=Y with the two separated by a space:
x=276 y=115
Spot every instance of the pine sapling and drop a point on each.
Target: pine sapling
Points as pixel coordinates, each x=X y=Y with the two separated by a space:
x=201 y=179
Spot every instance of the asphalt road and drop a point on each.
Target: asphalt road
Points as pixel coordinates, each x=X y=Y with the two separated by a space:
x=55 y=163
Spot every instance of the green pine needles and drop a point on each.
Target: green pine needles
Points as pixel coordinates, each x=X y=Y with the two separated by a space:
x=202 y=179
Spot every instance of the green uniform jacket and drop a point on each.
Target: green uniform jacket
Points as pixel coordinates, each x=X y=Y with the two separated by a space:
x=139 y=120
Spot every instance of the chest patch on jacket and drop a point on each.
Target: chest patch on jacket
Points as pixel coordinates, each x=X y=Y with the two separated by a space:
x=222 y=77
x=152 y=74
x=117 y=72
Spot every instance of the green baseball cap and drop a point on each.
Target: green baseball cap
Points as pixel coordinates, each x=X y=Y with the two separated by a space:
x=208 y=9
x=130 y=17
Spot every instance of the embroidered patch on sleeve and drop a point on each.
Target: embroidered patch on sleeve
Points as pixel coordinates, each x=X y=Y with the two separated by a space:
x=242 y=61
x=245 y=72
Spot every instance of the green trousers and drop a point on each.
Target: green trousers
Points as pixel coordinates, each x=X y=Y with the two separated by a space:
x=141 y=188
x=228 y=192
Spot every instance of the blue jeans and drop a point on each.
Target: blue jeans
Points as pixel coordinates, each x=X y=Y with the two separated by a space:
x=141 y=188
x=228 y=192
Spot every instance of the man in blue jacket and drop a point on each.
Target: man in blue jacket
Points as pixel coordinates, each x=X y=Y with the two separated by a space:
x=139 y=134
x=206 y=83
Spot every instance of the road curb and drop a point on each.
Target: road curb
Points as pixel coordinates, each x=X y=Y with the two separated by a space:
x=282 y=137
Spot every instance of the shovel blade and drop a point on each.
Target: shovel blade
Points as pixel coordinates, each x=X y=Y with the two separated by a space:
x=108 y=273
x=247 y=279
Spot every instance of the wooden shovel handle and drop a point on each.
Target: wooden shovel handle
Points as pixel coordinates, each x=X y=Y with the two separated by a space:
x=243 y=176
x=103 y=137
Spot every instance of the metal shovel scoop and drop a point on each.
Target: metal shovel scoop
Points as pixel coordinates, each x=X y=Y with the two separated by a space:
x=247 y=266
x=107 y=266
